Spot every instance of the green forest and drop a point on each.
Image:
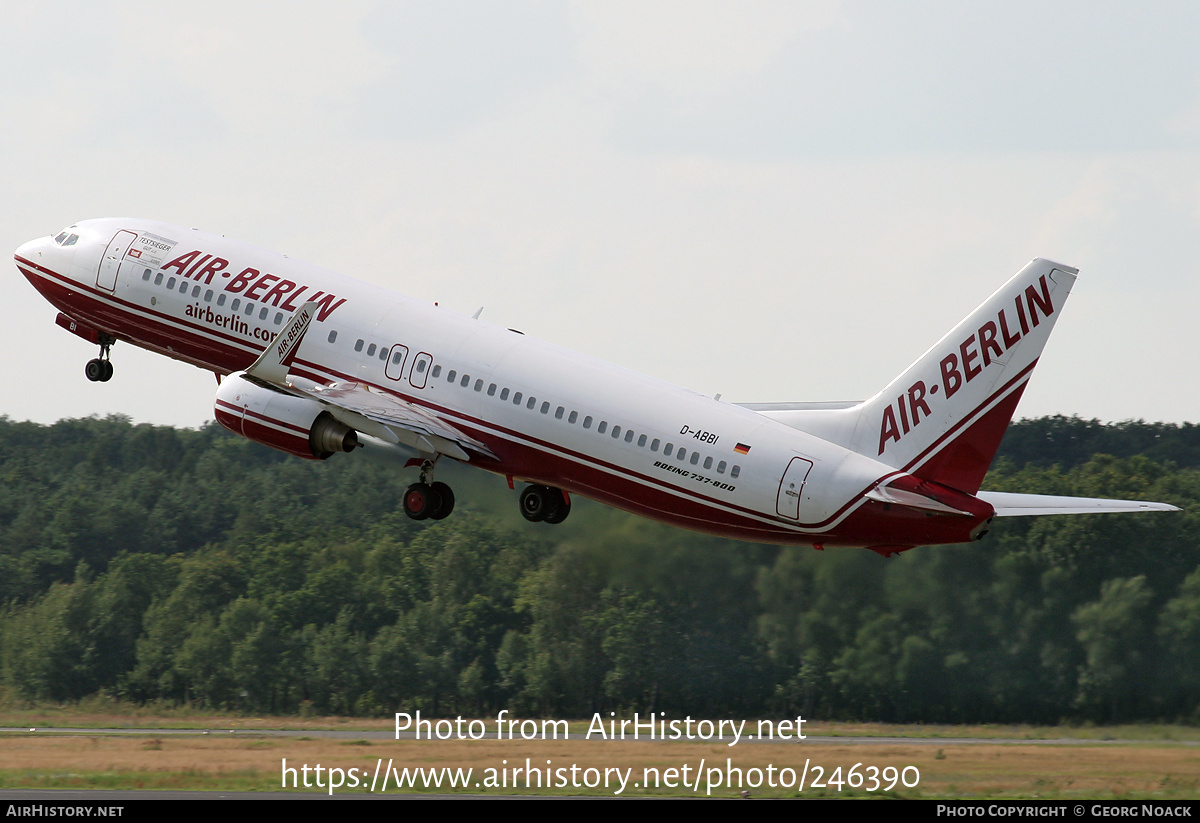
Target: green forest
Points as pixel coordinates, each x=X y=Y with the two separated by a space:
x=164 y=565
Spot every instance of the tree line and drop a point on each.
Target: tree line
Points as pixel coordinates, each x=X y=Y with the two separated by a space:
x=157 y=564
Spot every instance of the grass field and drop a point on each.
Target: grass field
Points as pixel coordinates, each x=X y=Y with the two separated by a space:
x=238 y=754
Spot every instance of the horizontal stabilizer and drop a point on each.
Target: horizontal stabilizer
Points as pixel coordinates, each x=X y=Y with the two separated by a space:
x=1021 y=505
x=826 y=405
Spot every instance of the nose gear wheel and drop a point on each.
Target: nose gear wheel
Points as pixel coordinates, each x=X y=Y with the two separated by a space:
x=100 y=369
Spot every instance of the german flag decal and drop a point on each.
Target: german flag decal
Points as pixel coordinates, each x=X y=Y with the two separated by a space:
x=741 y=448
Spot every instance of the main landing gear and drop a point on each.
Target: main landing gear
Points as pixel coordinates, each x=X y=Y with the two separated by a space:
x=545 y=504
x=100 y=369
x=431 y=500
x=428 y=500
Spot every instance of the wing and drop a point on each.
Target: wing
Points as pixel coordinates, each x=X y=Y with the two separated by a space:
x=391 y=419
x=366 y=410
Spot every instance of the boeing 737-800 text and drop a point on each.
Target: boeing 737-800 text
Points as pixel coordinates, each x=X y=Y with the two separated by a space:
x=315 y=363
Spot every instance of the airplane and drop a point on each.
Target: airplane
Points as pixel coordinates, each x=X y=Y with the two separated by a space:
x=314 y=363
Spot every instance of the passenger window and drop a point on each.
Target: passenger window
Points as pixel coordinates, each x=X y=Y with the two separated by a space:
x=491 y=390
x=642 y=442
x=654 y=445
x=451 y=376
x=262 y=313
x=421 y=364
x=517 y=399
x=196 y=291
x=572 y=417
x=371 y=350
x=504 y=393
x=531 y=403
x=735 y=471
x=437 y=371
x=382 y=354
x=170 y=283
x=708 y=463
x=629 y=436
x=721 y=467
x=221 y=302
x=695 y=458
x=398 y=355
x=278 y=318
x=158 y=279
x=603 y=425
x=466 y=379
x=479 y=385
x=332 y=336
x=587 y=422
x=681 y=454
x=183 y=286
x=146 y=274
x=616 y=432
x=358 y=346
x=545 y=406
x=208 y=296
x=667 y=450
x=249 y=309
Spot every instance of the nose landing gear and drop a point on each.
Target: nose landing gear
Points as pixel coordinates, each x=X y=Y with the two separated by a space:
x=100 y=369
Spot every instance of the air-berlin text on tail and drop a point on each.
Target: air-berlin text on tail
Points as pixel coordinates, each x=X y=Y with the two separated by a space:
x=252 y=284
x=985 y=346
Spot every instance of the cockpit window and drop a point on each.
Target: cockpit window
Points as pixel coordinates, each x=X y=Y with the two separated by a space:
x=66 y=237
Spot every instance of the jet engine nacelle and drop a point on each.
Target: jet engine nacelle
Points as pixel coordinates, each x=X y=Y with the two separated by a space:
x=296 y=425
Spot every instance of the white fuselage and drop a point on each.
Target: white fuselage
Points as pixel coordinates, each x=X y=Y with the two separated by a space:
x=580 y=424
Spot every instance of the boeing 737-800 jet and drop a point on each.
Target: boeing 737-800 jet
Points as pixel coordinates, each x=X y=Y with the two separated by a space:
x=315 y=363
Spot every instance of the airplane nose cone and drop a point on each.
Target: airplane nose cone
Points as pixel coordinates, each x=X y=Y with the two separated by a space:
x=32 y=250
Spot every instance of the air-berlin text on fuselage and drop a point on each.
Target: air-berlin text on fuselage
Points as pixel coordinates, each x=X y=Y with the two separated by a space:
x=252 y=283
x=989 y=342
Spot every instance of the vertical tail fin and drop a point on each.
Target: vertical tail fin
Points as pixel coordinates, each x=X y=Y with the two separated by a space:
x=943 y=417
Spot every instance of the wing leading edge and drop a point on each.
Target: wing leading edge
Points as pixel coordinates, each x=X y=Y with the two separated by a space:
x=371 y=412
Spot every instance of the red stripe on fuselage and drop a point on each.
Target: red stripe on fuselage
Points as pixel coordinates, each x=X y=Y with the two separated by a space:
x=174 y=337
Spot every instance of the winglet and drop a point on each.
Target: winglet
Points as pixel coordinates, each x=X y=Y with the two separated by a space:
x=272 y=365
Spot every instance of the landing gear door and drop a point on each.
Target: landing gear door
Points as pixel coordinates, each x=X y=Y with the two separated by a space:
x=106 y=274
x=791 y=487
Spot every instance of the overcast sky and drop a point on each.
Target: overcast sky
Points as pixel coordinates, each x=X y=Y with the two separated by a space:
x=770 y=200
